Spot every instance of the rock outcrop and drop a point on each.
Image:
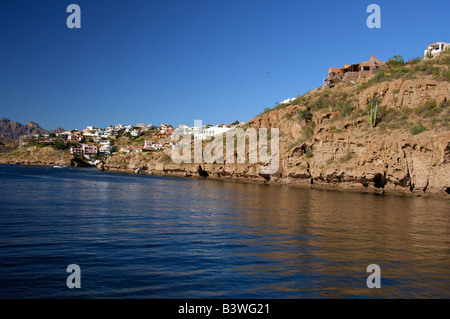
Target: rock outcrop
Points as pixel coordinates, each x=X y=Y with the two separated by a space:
x=392 y=164
x=45 y=156
x=77 y=161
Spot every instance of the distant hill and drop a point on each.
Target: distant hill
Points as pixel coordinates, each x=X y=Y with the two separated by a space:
x=12 y=130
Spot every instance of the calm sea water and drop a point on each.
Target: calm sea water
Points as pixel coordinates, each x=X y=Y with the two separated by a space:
x=161 y=237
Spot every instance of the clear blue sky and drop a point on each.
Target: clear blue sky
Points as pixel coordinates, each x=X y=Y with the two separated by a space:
x=146 y=61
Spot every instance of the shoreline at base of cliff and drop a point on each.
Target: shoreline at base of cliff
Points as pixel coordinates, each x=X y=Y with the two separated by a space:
x=342 y=187
x=254 y=179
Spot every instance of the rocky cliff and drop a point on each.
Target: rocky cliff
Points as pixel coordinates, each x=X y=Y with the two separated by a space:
x=327 y=141
x=379 y=163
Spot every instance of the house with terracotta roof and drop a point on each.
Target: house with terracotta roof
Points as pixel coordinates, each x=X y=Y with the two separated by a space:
x=352 y=72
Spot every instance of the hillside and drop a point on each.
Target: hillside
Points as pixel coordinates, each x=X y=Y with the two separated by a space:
x=328 y=141
x=326 y=137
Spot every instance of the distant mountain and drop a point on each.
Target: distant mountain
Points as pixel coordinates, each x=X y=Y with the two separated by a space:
x=11 y=129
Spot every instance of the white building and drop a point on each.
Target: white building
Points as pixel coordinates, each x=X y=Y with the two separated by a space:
x=107 y=149
x=215 y=130
x=183 y=130
x=150 y=145
x=145 y=127
x=203 y=132
x=435 y=49
x=135 y=133
x=207 y=132
x=131 y=150
x=287 y=101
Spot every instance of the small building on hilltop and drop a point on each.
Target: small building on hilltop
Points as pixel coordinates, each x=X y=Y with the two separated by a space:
x=435 y=49
x=353 y=72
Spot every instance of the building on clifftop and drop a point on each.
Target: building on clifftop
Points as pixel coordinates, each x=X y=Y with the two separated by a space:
x=352 y=72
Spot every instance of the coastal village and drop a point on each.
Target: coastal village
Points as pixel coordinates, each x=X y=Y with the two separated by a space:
x=94 y=142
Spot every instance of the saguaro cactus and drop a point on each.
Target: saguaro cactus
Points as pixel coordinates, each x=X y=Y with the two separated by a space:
x=372 y=114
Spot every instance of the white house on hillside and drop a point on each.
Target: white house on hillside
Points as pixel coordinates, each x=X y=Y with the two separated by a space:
x=435 y=49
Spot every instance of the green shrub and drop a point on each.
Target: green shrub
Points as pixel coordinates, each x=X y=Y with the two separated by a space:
x=418 y=129
x=429 y=109
x=308 y=132
x=379 y=77
x=300 y=100
x=279 y=106
x=308 y=154
x=287 y=115
x=441 y=75
x=347 y=110
x=415 y=60
x=398 y=73
x=304 y=115
x=434 y=121
x=388 y=114
x=396 y=61
x=319 y=103
x=430 y=104
x=59 y=144
x=434 y=70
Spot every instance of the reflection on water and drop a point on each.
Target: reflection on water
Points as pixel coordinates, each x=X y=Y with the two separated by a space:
x=153 y=237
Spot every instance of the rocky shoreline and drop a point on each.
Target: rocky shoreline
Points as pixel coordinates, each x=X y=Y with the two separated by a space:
x=354 y=187
x=147 y=164
x=411 y=168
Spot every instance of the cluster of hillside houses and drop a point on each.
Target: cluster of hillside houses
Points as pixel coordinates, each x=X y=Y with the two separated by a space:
x=103 y=138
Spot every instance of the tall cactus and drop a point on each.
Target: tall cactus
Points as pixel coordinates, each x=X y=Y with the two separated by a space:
x=372 y=114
